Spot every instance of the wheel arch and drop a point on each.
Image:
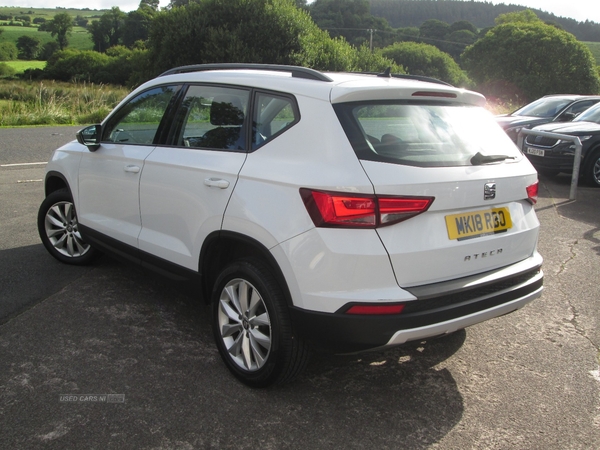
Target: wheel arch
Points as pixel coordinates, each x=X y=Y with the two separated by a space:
x=55 y=181
x=223 y=247
x=585 y=170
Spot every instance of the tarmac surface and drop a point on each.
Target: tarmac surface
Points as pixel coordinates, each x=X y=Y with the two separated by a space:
x=112 y=356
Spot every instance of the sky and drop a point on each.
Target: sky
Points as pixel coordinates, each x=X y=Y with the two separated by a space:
x=580 y=10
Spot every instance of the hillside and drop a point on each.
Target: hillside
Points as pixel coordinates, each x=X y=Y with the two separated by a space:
x=412 y=13
x=48 y=13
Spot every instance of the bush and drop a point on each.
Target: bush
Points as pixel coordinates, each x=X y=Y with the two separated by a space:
x=69 y=65
x=533 y=59
x=114 y=67
x=6 y=71
x=32 y=74
x=426 y=60
x=48 y=49
x=8 y=51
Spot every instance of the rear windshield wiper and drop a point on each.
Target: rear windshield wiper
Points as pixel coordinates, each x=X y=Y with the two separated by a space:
x=479 y=159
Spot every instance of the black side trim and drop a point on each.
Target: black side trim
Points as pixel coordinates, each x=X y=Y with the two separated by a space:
x=128 y=253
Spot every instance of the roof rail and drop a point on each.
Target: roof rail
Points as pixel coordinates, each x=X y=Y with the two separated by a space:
x=296 y=71
x=387 y=74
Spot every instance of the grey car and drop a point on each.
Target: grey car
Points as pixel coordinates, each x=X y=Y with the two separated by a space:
x=548 y=109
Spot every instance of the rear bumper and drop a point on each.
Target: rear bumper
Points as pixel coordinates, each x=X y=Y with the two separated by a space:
x=440 y=309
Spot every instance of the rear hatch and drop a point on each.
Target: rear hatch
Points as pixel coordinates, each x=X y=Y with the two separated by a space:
x=482 y=188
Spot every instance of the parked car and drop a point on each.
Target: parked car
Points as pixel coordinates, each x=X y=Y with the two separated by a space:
x=551 y=108
x=551 y=156
x=335 y=210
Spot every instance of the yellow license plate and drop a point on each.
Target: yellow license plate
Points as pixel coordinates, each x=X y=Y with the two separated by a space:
x=478 y=223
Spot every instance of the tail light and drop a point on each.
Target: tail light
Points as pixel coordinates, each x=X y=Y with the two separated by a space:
x=532 y=193
x=334 y=209
x=434 y=94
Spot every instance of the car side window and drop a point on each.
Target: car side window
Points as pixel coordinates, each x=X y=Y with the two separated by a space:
x=579 y=107
x=213 y=117
x=273 y=114
x=139 y=119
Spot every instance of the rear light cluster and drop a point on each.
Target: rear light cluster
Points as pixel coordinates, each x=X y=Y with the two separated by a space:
x=532 y=193
x=334 y=209
x=434 y=94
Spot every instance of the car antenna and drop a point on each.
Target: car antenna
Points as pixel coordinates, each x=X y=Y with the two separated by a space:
x=387 y=73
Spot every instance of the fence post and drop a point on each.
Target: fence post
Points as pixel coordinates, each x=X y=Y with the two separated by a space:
x=563 y=137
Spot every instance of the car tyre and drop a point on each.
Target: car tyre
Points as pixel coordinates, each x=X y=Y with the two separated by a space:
x=59 y=230
x=591 y=174
x=252 y=326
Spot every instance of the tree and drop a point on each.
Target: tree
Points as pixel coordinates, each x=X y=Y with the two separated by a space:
x=427 y=60
x=351 y=19
x=532 y=58
x=48 y=49
x=434 y=29
x=29 y=47
x=25 y=19
x=152 y=4
x=60 y=26
x=137 y=24
x=457 y=42
x=108 y=30
x=525 y=16
x=81 y=21
x=252 y=31
x=463 y=25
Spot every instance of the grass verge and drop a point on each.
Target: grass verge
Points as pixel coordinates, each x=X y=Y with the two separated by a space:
x=53 y=103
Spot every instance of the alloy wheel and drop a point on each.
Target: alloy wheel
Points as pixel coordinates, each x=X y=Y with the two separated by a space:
x=61 y=228
x=244 y=325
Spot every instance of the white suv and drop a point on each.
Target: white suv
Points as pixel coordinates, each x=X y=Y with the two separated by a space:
x=348 y=211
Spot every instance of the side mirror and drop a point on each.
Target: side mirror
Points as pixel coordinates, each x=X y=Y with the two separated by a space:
x=90 y=137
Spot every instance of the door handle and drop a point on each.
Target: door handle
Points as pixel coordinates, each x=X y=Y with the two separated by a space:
x=132 y=169
x=216 y=182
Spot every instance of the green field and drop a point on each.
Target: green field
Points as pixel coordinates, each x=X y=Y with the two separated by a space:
x=22 y=66
x=79 y=38
x=48 y=13
x=595 y=49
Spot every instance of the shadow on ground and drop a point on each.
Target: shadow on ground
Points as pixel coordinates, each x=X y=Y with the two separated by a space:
x=120 y=330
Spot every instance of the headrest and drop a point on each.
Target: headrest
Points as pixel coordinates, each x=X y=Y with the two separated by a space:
x=226 y=110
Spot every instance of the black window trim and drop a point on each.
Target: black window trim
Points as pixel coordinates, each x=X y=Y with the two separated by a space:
x=283 y=95
x=170 y=133
x=174 y=128
x=165 y=122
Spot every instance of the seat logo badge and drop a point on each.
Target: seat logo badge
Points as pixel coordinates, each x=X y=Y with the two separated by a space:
x=489 y=191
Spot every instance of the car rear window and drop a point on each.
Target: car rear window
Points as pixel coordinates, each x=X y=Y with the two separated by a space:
x=590 y=115
x=543 y=107
x=423 y=135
